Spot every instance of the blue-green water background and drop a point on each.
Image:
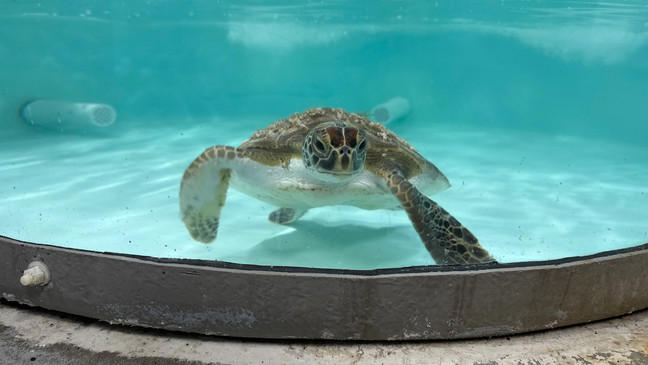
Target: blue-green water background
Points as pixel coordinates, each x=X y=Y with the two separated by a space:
x=579 y=67
x=513 y=83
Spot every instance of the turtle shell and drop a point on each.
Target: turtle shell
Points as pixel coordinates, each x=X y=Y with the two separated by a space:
x=284 y=138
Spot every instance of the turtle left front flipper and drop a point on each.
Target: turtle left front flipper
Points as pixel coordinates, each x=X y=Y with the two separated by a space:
x=447 y=240
x=204 y=189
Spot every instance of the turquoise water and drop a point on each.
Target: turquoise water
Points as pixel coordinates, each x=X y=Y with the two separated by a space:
x=534 y=110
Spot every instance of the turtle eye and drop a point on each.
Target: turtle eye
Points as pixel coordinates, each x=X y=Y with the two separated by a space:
x=362 y=145
x=319 y=146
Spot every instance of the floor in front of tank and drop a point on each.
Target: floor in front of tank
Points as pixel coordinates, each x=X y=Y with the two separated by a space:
x=35 y=336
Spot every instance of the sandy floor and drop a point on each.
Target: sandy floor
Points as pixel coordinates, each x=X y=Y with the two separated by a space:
x=525 y=196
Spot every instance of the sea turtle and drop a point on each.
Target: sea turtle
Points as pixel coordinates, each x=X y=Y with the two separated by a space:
x=321 y=157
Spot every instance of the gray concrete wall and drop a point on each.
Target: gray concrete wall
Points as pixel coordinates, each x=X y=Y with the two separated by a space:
x=285 y=303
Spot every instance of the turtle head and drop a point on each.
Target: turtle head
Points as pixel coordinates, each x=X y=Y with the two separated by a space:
x=335 y=151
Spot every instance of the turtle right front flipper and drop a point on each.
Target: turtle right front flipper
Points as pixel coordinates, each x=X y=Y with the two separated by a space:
x=203 y=191
x=447 y=240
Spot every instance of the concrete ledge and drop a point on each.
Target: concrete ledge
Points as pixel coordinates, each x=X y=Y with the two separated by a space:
x=264 y=302
x=34 y=336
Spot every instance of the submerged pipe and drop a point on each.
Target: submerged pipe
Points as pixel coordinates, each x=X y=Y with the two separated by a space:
x=68 y=116
x=391 y=110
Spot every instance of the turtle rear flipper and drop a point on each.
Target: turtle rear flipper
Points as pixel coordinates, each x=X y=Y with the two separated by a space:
x=447 y=240
x=203 y=191
x=286 y=215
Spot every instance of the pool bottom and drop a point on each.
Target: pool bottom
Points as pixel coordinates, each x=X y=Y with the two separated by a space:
x=526 y=197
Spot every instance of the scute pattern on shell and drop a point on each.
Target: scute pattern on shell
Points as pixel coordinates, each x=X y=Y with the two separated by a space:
x=286 y=136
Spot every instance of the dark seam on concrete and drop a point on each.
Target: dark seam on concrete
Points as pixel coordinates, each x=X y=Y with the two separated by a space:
x=638 y=358
x=139 y=330
x=17 y=351
x=373 y=272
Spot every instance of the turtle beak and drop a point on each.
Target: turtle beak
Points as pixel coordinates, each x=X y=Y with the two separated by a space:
x=345 y=160
x=341 y=163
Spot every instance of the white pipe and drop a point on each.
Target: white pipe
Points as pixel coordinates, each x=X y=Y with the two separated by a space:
x=391 y=110
x=68 y=116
